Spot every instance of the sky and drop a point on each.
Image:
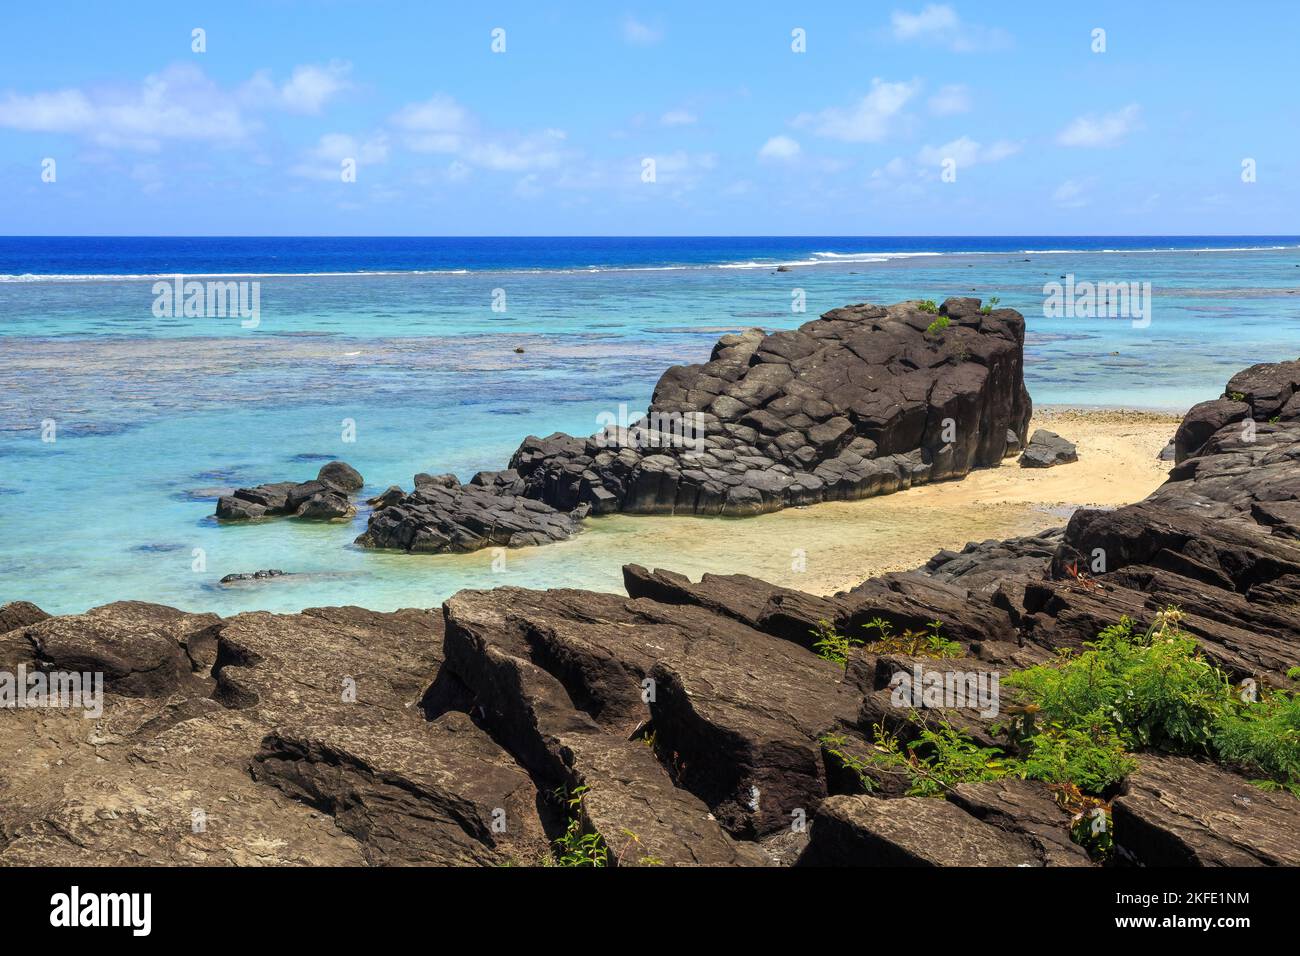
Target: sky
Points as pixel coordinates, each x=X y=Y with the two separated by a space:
x=668 y=118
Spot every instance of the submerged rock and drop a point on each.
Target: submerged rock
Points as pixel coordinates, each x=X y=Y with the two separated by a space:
x=252 y=576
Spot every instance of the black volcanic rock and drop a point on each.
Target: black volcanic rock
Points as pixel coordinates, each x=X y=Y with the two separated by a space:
x=860 y=402
x=692 y=721
x=1046 y=450
x=341 y=475
x=324 y=499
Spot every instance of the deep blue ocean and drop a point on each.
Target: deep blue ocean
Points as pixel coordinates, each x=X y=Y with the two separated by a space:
x=413 y=341
x=115 y=256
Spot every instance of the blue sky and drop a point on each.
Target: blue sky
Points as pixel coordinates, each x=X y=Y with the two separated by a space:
x=551 y=136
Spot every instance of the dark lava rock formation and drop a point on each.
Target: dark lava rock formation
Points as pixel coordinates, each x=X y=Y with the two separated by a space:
x=1047 y=450
x=325 y=499
x=863 y=401
x=694 y=714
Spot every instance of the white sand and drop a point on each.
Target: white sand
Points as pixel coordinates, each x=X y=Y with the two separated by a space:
x=845 y=542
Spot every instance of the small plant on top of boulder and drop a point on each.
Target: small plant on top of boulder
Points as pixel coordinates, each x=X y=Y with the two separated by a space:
x=990 y=305
x=926 y=643
x=938 y=325
x=929 y=305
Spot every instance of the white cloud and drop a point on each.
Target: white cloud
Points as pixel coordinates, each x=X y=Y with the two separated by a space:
x=308 y=89
x=441 y=125
x=966 y=152
x=178 y=103
x=950 y=100
x=528 y=187
x=678 y=118
x=940 y=24
x=870 y=121
x=436 y=125
x=1071 y=194
x=678 y=171
x=539 y=151
x=1107 y=129
x=640 y=34
x=324 y=160
x=780 y=149
x=932 y=20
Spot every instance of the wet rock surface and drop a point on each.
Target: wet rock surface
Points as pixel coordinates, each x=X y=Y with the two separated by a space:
x=865 y=400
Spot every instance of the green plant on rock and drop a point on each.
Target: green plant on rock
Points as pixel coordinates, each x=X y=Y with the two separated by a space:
x=1090 y=820
x=1153 y=687
x=575 y=847
x=831 y=645
x=925 y=643
x=937 y=760
x=1090 y=757
x=990 y=305
x=938 y=325
x=928 y=305
x=1136 y=690
x=1263 y=737
x=836 y=746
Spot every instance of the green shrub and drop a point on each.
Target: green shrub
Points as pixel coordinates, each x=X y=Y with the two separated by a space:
x=1263 y=737
x=1154 y=687
x=1090 y=756
x=990 y=305
x=831 y=645
x=928 y=306
x=938 y=325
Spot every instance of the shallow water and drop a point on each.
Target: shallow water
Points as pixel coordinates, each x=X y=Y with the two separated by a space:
x=156 y=416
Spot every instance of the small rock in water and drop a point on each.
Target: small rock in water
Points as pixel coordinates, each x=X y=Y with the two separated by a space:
x=519 y=350
x=1047 y=449
x=254 y=576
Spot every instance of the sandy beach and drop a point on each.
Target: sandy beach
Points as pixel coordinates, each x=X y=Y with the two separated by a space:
x=842 y=543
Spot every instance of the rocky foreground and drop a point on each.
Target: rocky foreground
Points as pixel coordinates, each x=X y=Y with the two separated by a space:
x=684 y=723
x=864 y=400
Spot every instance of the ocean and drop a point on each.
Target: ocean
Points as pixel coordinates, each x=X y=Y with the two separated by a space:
x=398 y=355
